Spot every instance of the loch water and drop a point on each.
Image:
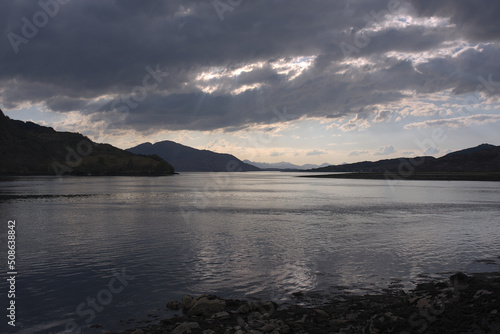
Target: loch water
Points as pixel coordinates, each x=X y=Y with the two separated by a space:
x=103 y=250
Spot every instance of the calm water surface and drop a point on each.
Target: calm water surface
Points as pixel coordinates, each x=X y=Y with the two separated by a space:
x=238 y=235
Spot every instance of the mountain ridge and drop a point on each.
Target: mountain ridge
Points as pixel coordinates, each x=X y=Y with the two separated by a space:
x=283 y=165
x=189 y=159
x=481 y=158
x=27 y=148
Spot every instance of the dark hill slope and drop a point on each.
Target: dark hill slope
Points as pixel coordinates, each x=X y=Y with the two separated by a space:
x=188 y=159
x=374 y=166
x=482 y=158
x=27 y=148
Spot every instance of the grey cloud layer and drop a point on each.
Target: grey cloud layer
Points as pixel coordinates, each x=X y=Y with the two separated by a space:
x=100 y=49
x=476 y=19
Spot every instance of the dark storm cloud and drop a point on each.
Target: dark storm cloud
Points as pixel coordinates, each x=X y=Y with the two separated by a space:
x=100 y=58
x=476 y=19
x=472 y=70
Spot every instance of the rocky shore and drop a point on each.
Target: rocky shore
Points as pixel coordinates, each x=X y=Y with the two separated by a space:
x=462 y=304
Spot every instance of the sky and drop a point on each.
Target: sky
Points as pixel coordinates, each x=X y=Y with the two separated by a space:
x=279 y=80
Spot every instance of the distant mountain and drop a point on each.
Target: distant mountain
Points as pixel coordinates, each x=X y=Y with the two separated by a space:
x=471 y=150
x=482 y=158
x=283 y=165
x=188 y=159
x=27 y=148
x=369 y=166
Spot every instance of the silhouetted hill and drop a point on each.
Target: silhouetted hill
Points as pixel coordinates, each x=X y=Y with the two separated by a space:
x=372 y=166
x=479 y=148
x=283 y=166
x=188 y=159
x=482 y=158
x=27 y=148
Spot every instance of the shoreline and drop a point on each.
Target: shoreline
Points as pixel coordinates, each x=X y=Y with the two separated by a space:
x=431 y=176
x=7 y=175
x=461 y=304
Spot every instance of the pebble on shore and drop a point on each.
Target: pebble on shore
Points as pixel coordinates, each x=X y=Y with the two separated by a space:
x=463 y=304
